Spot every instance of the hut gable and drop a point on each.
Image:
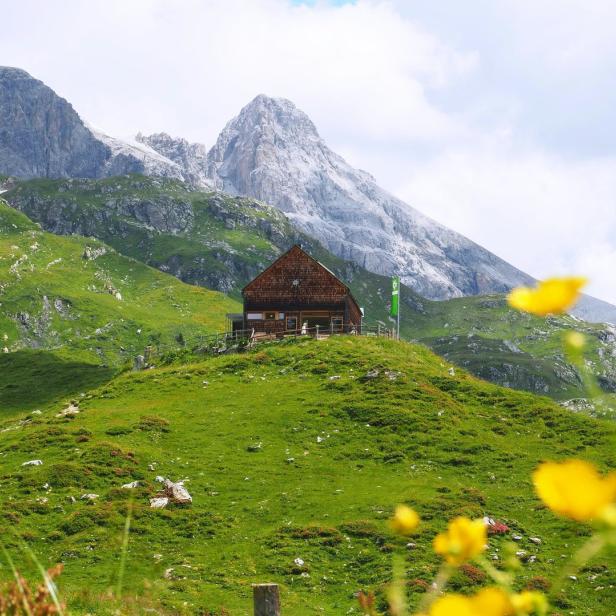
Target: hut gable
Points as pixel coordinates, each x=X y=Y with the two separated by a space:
x=298 y=293
x=295 y=280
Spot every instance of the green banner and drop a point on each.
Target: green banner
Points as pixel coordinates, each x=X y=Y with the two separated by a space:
x=395 y=296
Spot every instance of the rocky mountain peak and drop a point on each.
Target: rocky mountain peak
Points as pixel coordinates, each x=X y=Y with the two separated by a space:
x=272 y=151
x=191 y=157
x=278 y=114
x=41 y=135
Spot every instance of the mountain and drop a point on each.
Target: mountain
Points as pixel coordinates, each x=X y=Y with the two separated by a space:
x=191 y=157
x=41 y=135
x=272 y=151
x=294 y=458
x=214 y=240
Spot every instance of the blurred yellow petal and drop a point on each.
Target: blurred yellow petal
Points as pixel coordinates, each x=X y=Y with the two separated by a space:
x=452 y=605
x=529 y=602
x=575 y=341
x=575 y=489
x=405 y=520
x=552 y=296
x=492 y=602
x=463 y=540
x=487 y=602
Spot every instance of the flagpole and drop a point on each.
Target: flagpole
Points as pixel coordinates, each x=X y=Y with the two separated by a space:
x=399 y=306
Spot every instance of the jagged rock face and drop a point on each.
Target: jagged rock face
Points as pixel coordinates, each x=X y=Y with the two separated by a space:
x=191 y=157
x=65 y=216
x=273 y=152
x=41 y=135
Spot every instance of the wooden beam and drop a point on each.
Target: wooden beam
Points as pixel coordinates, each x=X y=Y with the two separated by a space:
x=266 y=599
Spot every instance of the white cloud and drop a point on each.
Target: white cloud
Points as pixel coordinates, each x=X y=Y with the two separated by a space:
x=188 y=66
x=546 y=215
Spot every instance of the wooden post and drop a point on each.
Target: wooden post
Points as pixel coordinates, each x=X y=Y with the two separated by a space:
x=266 y=599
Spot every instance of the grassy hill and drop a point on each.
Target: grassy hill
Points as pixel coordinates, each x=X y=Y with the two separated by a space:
x=222 y=242
x=76 y=305
x=290 y=452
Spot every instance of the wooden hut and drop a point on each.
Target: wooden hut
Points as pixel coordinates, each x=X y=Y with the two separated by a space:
x=296 y=294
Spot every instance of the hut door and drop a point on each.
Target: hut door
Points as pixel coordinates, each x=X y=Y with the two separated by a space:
x=291 y=324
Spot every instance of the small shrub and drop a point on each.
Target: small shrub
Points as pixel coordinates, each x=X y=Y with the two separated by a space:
x=152 y=423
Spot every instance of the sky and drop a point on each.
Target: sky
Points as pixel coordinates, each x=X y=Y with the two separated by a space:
x=495 y=117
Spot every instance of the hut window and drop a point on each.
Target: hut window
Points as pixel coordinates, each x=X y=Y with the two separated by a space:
x=270 y=316
x=296 y=282
x=280 y=316
x=254 y=316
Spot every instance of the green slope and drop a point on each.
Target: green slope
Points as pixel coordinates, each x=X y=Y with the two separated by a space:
x=285 y=462
x=222 y=242
x=81 y=312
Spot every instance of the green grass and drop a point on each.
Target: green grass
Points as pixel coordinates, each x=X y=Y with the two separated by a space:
x=284 y=462
x=102 y=310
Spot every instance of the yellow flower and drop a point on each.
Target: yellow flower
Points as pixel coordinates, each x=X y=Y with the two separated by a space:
x=529 y=602
x=552 y=296
x=463 y=540
x=487 y=602
x=575 y=489
x=405 y=520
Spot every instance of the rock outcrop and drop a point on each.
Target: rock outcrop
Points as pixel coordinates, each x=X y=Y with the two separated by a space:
x=191 y=157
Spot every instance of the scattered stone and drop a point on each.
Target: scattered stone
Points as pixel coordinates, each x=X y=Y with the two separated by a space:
x=168 y=574
x=33 y=463
x=411 y=546
x=139 y=363
x=89 y=497
x=372 y=374
x=174 y=492
x=71 y=499
x=392 y=375
x=93 y=253
x=335 y=377
x=159 y=502
x=42 y=500
x=299 y=562
x=516 y=537
x=452 y=371
x=70 y=411
x=177 y=492
x=535 y=540
x=132 y=484
x=37 y=412
x=573 y=577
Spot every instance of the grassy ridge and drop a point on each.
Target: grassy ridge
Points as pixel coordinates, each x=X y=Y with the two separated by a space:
x=87 y=302
x=290 y=452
